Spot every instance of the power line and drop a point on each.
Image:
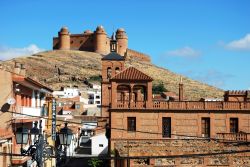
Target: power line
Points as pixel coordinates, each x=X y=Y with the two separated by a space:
x=121 y=129
x=47 y=118
x=143 y=157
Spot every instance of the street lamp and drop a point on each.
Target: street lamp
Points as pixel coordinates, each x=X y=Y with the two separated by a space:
x=65 y=135
x=22 y=135
x=39 y=149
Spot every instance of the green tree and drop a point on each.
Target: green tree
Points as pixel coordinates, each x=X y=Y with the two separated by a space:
x=159 y=88
x=94 y=162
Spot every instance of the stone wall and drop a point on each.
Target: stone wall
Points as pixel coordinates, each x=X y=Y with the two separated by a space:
x=183 y=153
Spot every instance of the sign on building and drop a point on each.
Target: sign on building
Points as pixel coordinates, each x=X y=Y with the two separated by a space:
x=53 y=133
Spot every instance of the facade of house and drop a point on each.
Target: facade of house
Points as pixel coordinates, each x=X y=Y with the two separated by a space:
x=148 y=131
x=92 y=101
x=68 y=92
x=22 y=102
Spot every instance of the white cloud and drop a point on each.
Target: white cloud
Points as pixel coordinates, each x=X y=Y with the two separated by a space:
x=184 y=52
x=240 y=44
x=7 y=53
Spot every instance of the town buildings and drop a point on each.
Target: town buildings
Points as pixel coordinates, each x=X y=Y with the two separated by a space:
x=146 y=131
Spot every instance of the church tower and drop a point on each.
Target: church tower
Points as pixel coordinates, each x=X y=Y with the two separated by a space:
x=112 y=64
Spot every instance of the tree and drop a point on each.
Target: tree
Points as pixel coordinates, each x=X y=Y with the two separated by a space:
x=159 y=88
x=94 y=162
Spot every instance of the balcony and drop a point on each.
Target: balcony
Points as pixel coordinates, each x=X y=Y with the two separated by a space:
x=29 y=112
x=233 y=137
x=132 y=105
x=186 y=105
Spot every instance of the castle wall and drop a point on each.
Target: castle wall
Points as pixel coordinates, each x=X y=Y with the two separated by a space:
x=85 y=42
x=96 y=41
x=82 y=42
x=137 y=55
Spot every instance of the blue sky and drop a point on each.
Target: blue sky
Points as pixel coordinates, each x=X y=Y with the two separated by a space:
x=206 y=40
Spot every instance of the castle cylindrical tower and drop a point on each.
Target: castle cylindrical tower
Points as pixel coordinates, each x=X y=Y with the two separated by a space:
x=64 y=39
x=100 y=40
x=122 y=40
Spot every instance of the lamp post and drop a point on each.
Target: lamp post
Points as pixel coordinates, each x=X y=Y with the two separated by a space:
x=65 y=136
x=39 y=150
x=22 y=135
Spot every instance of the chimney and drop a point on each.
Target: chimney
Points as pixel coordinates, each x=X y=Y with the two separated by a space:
x=23 y=70
x=181 y=97
x=17 y=68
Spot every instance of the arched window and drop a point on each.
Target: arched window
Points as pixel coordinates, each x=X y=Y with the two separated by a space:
x=117 y=70
x=123 y=93
x=140 y=93
x=109 y=72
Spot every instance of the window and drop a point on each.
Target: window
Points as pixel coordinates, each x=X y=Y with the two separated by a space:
x=166 y=127
x=77 y=106
x=97 y=97
x=97 y=102
x=132 y=124
x=109 y=72
x=205 y=127
x=117 y=70
x=234 y=125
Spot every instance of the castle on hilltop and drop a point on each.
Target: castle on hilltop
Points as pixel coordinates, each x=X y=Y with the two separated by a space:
x=97 y=41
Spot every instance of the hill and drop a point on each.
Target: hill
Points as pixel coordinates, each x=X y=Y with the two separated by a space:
x=63 y=68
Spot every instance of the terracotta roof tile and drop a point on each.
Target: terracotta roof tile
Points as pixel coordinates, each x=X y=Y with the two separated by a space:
x=132 y=73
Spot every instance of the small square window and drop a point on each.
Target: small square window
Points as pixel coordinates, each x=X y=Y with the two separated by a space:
x=132 y=124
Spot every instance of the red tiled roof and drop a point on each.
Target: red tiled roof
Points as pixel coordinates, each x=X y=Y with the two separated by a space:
x=132 y=73
x=29 y=82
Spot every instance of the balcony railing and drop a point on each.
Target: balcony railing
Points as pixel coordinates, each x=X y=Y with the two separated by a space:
x=231 y=137
x=23 y=111
x=186 y=105
x=127 y=104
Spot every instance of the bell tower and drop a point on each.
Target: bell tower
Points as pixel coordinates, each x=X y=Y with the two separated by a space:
x=112 y=64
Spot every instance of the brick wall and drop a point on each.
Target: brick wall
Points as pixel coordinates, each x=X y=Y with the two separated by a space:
x=183 y=124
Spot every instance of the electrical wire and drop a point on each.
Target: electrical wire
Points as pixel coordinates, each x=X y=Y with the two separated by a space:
x=121 y=129
x=142 y=157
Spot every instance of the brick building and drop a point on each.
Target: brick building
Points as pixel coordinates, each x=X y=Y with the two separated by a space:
x=157 y=130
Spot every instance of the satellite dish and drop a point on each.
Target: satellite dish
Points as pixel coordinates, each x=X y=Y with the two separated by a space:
x=11 y=101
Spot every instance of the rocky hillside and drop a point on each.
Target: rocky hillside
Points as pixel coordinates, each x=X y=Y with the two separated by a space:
x=65 y=68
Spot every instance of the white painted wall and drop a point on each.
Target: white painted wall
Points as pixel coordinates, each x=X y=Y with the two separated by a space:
x=97 y=141
x=89 y=125
x=67 y=93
